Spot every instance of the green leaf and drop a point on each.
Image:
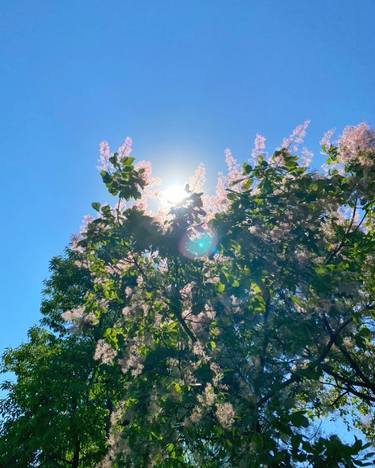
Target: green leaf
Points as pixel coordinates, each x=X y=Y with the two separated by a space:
x=246 y=168
x=127 y=161
x=220 y=287
x=96 y=206
x=299 y=420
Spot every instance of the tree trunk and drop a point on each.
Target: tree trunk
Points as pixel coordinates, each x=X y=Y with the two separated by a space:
x=77 y=447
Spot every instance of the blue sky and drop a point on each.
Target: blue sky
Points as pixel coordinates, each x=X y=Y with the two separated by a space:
x=185 y=79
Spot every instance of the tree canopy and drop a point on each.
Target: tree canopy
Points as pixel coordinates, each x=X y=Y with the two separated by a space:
x=212 y=332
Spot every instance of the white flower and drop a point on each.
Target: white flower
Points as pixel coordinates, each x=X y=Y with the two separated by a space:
x=104 y=352
x=73 y=314
x=198 y=349
x=128 y=291
x=225 y=414
x=357 y=143
x=209 y=397
x=196 y=415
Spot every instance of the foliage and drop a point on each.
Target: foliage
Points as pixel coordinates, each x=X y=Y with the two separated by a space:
x=212 y=335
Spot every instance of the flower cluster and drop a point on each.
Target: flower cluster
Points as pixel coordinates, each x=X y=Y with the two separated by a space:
x=225 y=414
x=357 y=143
x=104 y=352
x=259 y=147
x=198 y=179
x=296 y=137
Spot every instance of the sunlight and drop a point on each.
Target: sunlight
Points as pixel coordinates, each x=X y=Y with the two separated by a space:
x=173 y=195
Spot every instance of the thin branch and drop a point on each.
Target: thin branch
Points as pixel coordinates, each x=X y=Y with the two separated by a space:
x=355 y=366
x=298 y=377
x=345 y=237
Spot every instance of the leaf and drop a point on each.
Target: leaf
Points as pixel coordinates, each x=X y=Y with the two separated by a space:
x=247 y=184
x=127 y=161
x=299 y=420
x=220 y=287
x=96 y=206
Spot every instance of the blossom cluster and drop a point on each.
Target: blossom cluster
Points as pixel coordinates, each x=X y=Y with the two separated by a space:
x=357 y=143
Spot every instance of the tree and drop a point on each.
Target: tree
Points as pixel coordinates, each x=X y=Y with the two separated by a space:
x=213 y=333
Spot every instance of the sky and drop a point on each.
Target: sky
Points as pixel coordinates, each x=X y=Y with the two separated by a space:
x=184 y=79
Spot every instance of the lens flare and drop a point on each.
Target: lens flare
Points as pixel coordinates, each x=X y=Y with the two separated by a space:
x=202 y=245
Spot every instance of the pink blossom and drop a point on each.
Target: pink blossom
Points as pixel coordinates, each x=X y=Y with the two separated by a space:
x=259 y=147
x=186 y=291
x=234 y=171
x=208 y=398
x=163 y=265
x=276 y=159
x=213 y=204
x=297 y=136
x=128 y=291
x=147 y=170
x=86 y=220
x=307 y=156
x=125 y=148
x=198 y=179
x=225 y=414
x=357 y=143
x=221 y=192
x=198 y=349
x=196 y=415
x=133 y=361
x=218 y=373
x=104 y=352
x=73 y=314
x=74 y=246
x=137 y=370
x=150 y=190
x=104 y=155
x=326 y=139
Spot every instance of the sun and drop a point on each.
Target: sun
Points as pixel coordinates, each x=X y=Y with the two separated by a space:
x=173 y=195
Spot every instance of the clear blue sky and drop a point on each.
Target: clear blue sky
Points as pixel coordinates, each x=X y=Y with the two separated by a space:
x=185 y=79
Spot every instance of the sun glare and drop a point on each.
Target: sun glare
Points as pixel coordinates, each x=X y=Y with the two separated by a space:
x=173 y=195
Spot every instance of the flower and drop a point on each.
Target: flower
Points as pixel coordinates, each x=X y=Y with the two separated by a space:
x=234 y=171
x=146 y=166
x=259 y=147
x=150 y=190
x=357 y=143
x=125 y=148
x=128 y=291
x=196 y=415
x=86 y=220
x=73 y=314
x=197 y=180
x=208 y=398
x=225 y=414
x=326 y=139
x=186 y=291
x=104 y=352
x=198 y=349
x=74 y=244
x=104 y=155
x=137 y=370
x=307 y=156
x=213 y=204
x=297 y=136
